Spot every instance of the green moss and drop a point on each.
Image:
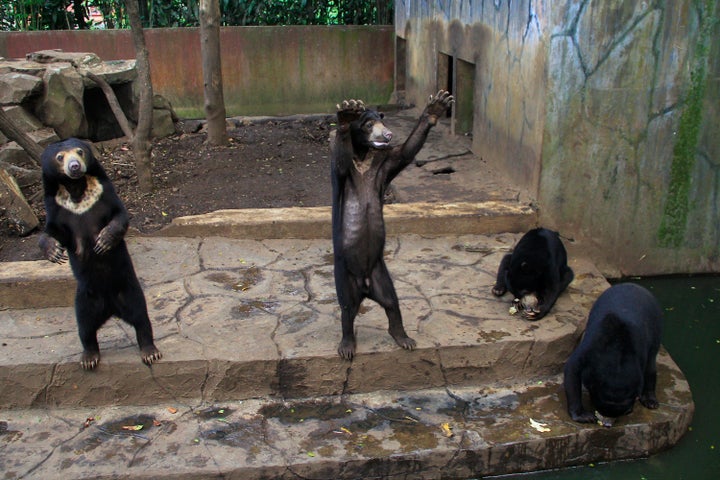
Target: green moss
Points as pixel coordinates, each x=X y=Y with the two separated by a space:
x=674 y=220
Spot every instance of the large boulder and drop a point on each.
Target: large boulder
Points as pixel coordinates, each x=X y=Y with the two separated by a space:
x=16 y=87
x=77 y=59
x=61 y=105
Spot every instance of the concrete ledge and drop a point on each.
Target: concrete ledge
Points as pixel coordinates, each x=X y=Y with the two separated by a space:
x=238 y=319
x=457 y=433
x=314 y=222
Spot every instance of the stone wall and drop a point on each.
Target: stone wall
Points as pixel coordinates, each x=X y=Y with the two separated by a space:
x=604 y=112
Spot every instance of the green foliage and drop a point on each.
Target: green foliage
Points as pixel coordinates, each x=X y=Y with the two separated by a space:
x=60 y=14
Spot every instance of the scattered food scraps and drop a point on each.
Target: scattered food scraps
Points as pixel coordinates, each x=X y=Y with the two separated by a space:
x=540 y=427
x=172 y=409
x=88 y=421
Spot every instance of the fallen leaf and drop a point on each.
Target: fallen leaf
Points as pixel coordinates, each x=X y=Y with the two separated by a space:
x=540 y=427
x=133 y=428
x=447 y=430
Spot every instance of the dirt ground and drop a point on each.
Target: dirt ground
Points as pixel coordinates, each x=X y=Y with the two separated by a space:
x=277 y=163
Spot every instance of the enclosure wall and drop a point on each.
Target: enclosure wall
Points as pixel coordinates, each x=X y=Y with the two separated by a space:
x=266 y=70
x=606 y=113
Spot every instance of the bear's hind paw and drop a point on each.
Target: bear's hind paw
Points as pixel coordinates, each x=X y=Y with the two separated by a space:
x=150 y=355
x=89 y=360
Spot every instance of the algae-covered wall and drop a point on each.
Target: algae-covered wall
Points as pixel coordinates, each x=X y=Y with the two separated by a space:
x=606 y=112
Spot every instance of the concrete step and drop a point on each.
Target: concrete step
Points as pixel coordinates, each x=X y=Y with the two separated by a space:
x=452 y=433
x=238 y=319
x=42 y=284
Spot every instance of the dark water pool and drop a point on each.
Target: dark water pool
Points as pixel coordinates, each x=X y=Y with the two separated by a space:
x=692 y=336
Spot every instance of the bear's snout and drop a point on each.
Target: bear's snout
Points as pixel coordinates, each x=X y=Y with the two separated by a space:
x=74 y=168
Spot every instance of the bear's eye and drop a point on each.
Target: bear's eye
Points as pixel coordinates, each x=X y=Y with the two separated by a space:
x=80 y=152
x=59 y=157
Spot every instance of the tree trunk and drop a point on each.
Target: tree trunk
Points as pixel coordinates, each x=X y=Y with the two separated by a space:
x=12 y=132
x=212 y=71
x=141 y=140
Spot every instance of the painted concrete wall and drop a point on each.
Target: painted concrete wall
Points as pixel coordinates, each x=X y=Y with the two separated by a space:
x=266 y=70
x=606 y=112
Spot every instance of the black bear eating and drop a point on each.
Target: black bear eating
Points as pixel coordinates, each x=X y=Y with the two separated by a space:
x=616 y=358
x=86 y=221
x=536 y=273
x=363 y=165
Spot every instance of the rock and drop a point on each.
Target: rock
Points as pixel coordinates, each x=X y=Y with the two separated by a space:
x=114 y=72
x=13 y=154
x=61 y=105
x=162 y=103
x=15 y=213
x=44 y=136
x=162 y=124
x=22 y=119
x=16 y=87
x=77 y=59
x=23 y=176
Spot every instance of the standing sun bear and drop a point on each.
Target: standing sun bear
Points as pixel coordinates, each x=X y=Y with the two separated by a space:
x=86 y=219
x=363 y=165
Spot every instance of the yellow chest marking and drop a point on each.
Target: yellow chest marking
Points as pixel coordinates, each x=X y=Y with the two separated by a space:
x=363 y=166
x=93 y=192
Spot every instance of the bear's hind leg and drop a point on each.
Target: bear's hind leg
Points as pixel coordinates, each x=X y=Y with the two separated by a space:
x=90 y=315
x=382 y=291
x=349 y=295
x=132 y=309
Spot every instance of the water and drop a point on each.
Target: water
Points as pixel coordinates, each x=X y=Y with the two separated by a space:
x=692 y=336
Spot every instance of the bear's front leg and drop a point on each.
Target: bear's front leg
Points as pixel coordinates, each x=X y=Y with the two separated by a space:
x=51 y=249
x=110 y=236
x=349 y=111
x=438 y=105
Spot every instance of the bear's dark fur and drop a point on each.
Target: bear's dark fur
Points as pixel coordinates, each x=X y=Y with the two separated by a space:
x=615 y=360
x=86 y=219
x=536 y=272
x=363 y=165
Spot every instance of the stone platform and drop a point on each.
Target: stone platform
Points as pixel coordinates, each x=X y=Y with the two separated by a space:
x=251 y=386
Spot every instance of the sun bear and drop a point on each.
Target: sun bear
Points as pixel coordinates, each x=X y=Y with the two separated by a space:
x=616 y=357
x=363 y=164
x=87 y=219
x=536 y=273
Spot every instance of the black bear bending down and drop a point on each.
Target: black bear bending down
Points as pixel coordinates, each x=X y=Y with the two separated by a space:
x=616 y=357
x=86 y=218
x=536 y=272
x=363 y=165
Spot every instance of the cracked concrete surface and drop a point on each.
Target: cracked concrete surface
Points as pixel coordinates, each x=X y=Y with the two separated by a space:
x=251 y=386
x=450 y=433
x=240 y=318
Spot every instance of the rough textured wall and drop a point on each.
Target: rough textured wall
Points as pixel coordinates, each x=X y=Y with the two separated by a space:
x=505 y=44
x=630 y=155
x=605 y=111
x=266 y=70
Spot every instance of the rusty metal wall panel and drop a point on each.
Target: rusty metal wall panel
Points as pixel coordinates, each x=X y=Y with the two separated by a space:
x=266 y=70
